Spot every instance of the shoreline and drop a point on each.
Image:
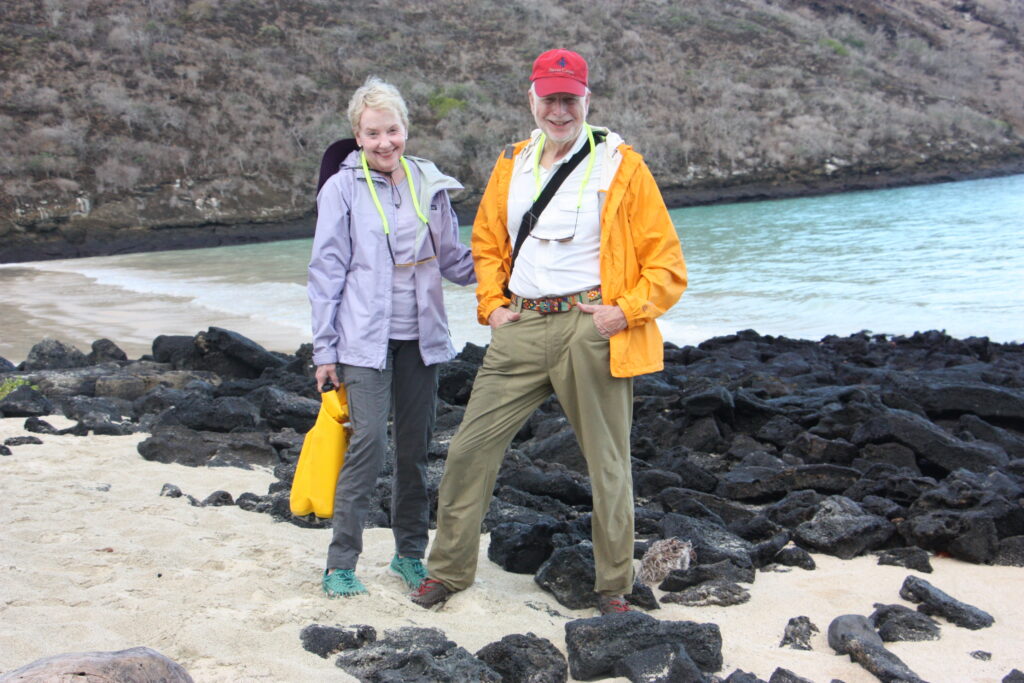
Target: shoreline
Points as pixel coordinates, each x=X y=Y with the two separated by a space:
x=782 y=185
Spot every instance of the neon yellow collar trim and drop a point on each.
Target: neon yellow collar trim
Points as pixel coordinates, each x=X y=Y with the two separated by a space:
x=586 y=178
x=376 y=200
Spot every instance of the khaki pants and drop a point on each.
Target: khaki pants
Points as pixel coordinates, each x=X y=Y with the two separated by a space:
x=526 y=361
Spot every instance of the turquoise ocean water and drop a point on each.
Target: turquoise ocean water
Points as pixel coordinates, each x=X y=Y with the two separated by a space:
x=947 y=256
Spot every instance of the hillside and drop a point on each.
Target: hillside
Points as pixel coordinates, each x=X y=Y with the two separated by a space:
x=128 y=124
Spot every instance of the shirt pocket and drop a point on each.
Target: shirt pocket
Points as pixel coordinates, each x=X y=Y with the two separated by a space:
x=562 y=218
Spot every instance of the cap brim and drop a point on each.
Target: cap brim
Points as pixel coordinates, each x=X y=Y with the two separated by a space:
x=552 y=85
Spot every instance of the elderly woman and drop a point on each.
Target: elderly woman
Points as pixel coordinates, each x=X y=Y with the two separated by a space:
x=385 y=235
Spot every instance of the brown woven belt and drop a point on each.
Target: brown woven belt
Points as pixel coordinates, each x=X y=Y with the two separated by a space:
x=557 y=304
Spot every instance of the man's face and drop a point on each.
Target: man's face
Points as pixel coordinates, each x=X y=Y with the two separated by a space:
x=560 y=116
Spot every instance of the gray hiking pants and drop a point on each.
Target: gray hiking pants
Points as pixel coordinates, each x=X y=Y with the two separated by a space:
x=408 y=389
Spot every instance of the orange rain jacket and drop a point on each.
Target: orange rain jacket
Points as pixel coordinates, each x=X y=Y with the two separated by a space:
x=641 y=261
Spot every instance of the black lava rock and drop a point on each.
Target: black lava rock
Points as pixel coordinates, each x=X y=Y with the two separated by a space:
x=1011 y=551
x=230 y=354
x=840 y=527
x=896 y=623
x=23 y=441
x=455 y=381
x=664 y=662
x=881 y=663
x=218 y=499
x=848 y=627
x=222 y=414
x=781 y=675
x=597 y=644
x=520 y=548
x=724 y=570
x=192 y=448
x=170 y=491
x=569 y=575
x=911 y=558
x=929 y=442
x=25 y=401
x=794 y=556
x=284 y=409
x=741 y=676
x=39 y=426
x=719 y=592
x=325 y=641
x=414 y=654
x=711 y=542
x=525 y=659
x=935 y=602
x=555 y=483
x=51 y=354
x=105 y=351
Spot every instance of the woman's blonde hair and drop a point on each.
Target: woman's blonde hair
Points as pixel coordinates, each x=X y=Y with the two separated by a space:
x=376 y=94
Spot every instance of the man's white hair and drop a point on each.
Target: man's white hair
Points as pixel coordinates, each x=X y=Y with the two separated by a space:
x=533 y=90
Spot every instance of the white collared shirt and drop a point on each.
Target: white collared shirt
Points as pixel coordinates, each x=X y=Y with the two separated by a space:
x=548 y=267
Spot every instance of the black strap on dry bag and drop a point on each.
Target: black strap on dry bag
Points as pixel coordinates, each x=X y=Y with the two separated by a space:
x=531 y=216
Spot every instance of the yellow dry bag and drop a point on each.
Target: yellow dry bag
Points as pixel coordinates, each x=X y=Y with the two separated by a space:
x=323 y=454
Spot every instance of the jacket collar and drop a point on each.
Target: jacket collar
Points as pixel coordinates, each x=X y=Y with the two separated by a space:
x=429 y=181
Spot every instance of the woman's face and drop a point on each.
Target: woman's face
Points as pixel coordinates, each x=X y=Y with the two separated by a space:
x=382 y=137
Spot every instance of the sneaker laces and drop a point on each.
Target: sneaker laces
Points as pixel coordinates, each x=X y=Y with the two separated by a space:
x=344 y=581
x=619 y=605
x=426 y=587
x=413 y=565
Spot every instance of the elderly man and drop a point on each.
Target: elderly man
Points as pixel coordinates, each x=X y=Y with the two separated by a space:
x=575 y=257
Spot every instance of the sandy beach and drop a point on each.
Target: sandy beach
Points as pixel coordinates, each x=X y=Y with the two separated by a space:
x=93 y=558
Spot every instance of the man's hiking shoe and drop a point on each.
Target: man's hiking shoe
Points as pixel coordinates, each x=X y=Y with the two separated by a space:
x=430 y=594
x=342 y=583
x=408 y=569
x=612 y=604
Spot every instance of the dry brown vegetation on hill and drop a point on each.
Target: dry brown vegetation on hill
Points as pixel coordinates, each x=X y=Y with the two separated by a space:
x=160 y=113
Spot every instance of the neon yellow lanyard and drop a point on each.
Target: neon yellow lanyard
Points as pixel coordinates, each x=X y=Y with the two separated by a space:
x=376 y=201
x=586 y=177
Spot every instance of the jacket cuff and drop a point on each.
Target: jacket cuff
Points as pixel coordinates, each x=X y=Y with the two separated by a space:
x=484 y=310
x=325 y=358
x=637 y=312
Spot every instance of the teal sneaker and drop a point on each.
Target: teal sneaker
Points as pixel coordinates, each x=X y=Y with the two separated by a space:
x=408 y=569
x=343 y=583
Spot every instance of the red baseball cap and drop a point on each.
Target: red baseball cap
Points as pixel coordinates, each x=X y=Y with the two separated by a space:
x=559 y=71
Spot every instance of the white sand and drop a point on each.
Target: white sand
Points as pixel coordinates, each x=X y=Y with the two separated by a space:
x=92 y=558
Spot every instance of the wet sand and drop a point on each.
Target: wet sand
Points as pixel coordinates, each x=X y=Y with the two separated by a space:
x=78 y=311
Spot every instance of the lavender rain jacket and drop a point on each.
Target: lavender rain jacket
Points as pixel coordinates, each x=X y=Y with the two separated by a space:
x=350 y=270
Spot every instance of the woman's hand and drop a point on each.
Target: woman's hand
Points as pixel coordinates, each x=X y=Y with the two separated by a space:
x=327 y=373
